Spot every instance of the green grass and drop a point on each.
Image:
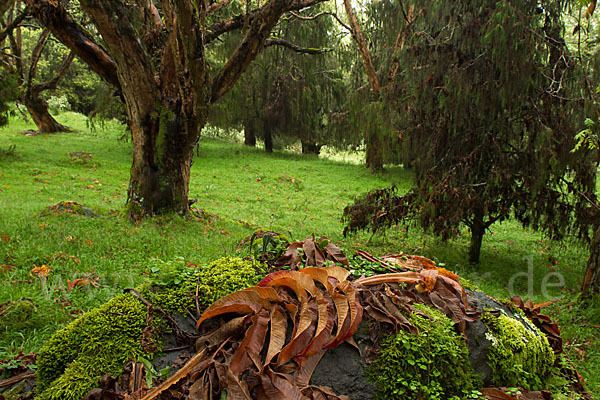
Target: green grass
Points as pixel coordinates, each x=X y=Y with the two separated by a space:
x=293 y=194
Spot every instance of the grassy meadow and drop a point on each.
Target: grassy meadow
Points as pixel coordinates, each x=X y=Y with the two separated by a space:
x=290 y=193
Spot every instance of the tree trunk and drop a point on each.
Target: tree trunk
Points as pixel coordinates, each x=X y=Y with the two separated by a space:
x=38 y=109
x=591 y=280
x=162 y=158
x=374 y=153
x=249 y=134
x=477 y=230
x=268 y=137
x=310 y=148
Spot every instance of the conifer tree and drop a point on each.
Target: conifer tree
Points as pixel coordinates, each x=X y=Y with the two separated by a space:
x=482 y=98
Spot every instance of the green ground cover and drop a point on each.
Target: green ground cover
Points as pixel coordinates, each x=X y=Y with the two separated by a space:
x=290 y=193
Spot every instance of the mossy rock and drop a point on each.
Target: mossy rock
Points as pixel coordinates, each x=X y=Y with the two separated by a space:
x=438 y=363
x=70 y=207
x=434 y=362
x=95 y=344
x=102 y=340
x=502 y=348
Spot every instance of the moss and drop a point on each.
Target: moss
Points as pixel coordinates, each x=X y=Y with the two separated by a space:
x=160 y=148
x=433 y=364
x=97 y=343
x=215 y=280
x=520 y=356
x=467 y=284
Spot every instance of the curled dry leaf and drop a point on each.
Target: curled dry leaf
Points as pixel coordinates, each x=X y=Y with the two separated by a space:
x=315 y=252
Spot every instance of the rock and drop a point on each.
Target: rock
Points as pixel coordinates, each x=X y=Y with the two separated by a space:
x=342 y=367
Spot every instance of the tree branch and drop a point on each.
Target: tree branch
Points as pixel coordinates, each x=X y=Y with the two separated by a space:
x=51 y=84
x=363 y=50
x=126 y=50
x=237 y=22
x=35 y=56
x=293 y=47
x=215 y=7
x=12 y=25
x=259 y=30
x=53 y=16
x=5 y=5
x=313 y=17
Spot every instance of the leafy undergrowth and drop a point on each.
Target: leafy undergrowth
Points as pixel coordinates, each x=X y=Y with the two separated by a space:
x=280 y=192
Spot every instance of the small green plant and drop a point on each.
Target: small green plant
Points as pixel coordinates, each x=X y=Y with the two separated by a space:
x=9 y=152
x=362 y=267
x=433 y=364
x=265 y=245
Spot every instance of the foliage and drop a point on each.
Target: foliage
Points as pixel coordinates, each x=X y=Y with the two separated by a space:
x=97 y=343
x=59 y=104
x=178 y=282
x=288 y=96
x=266 y=245
x=432 y=364
x=520 y=356
x=311 y=252
x=9 y=152
x=8 y=93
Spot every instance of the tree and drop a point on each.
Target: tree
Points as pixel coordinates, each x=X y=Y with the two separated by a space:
x=8 y=83
x=157 y=54
x=370 y=113
x=288 y=92
x=31 y=90
x=483 y=101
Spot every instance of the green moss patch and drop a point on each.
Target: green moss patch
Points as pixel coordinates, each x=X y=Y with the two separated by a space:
x=519 y=356
x=430 y=365
x=215 y=280
x=97 y=343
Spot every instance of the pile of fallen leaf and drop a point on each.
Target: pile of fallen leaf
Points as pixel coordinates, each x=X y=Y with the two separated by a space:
x=69 y=207
x=264 y=342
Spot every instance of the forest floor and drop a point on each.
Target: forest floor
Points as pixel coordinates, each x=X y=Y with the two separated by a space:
x=289 y=193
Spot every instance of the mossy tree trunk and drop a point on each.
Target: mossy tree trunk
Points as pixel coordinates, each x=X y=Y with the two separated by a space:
x=31 y=94
x=165 y=119
x=374 y=156
x=38 y=110
x=591 y=280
